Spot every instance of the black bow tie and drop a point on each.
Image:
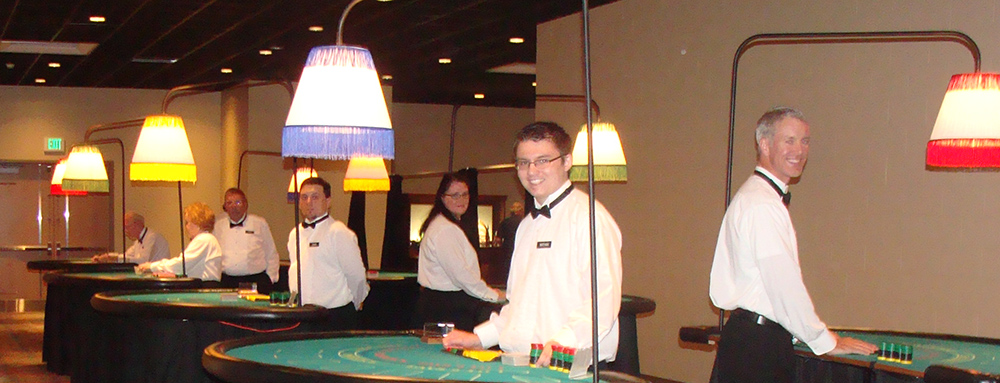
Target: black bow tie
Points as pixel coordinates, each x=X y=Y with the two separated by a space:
x=312 y=225
x=547 y=209
x=786 y=198
x=232 y=225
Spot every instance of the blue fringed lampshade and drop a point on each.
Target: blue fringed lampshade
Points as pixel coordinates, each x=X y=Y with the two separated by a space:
x=338 y=111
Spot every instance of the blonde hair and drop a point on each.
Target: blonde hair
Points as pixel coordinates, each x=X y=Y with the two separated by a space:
x=200 y=214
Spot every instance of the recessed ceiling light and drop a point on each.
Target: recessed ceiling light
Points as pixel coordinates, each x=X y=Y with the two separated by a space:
x=516 y=40
x=444 y=60
x=316 y=28
x=54 y=65
x=387 y=77
x=226 y=70
x=534 y=83
x=39 y=81
x=479 y=95
x=97 y=19
x=10 y=65
x=277 y=47
x=265 y=52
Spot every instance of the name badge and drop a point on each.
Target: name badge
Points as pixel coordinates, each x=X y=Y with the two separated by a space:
x=543 y=245
x=313 y=244
x=249 y=231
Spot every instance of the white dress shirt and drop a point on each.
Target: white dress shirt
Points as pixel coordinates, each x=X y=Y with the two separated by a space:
x=248 y=249
x=549 y=282
x=448 y=262
x=333 y=274
x=203 y=259
x=756 y=264
x=149 y=247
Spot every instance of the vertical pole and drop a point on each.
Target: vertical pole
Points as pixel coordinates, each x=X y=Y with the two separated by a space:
x=298 y=250
x=590 y=188
x=180 y=205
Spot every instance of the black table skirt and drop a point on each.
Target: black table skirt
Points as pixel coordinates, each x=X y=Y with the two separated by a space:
x=69 y=318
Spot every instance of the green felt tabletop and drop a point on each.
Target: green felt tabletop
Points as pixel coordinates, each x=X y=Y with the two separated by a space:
x=390 y=356
x=977 y=356
x=376 y=275
x=213 y=298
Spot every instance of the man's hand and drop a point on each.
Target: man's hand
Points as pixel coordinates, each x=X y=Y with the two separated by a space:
x=104 y=258
x=852 y=346
x=501 y=296
x=545 y=359
x=462 y=339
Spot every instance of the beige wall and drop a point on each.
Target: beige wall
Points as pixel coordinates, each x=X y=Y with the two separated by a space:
x=422 y=132
x=884 y=243
x=32 y=113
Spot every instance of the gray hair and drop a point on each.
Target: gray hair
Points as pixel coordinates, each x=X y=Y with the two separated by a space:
x=766 y=123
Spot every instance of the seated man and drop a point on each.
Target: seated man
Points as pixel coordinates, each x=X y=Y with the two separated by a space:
x=549 y=288
x=148 y=245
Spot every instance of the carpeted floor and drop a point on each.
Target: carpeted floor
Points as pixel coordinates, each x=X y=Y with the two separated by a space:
x=21 y=349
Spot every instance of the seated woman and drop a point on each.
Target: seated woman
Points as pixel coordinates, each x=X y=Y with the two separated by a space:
x=203 y=255
x=448 y=267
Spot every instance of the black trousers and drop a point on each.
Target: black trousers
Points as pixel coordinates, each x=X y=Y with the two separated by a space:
x=340 y=318
x=751 y=352
x=446 y=306
x=263 y=281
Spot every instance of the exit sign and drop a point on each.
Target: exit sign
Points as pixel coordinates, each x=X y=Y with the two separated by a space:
x=54 y=145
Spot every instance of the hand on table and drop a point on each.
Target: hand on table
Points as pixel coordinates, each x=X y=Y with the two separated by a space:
x=462 y=339
x=546 y=358
x=142 y=268
x=501 y=296
x=104 y=258
x=847 y=345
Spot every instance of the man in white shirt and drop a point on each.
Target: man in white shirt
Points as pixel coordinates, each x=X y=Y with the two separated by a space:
x=248 y=251
x=549 y=287
x=148 y=245
x=756 y=268
x=333 y=275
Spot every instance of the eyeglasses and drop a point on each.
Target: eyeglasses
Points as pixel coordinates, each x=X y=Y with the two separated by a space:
x=522 y=164
x=458 y=195
x=235 y=203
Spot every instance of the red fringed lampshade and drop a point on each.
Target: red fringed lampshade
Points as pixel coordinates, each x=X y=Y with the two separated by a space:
x=967 y=131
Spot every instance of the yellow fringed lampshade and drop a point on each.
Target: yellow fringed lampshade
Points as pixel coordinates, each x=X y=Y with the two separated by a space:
x=366 y=174
x=55 y=187
x=85 y=170
x=163 y=152
x=301 y=175
x=609 y=158
x=967 y=130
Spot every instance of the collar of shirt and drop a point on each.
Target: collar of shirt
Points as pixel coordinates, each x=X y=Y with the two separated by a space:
x=782 y=185
x=241 y=221
x=554 y=195
x=316 y=221
x=142 y=234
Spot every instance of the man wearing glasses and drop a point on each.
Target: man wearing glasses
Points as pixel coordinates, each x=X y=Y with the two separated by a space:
x=248 y=250
x=549 y=283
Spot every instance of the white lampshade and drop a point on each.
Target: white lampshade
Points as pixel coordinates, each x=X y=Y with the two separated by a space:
x=163 y=152
x=301 y=174
x=366 y=174
x=85 y=170
x=967 y=130
x=338 y=111
x=609 y=158
x=55 y=187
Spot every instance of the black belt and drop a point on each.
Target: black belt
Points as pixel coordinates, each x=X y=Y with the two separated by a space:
x=753 y=317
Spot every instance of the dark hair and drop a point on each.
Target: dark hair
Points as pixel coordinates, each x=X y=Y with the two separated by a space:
x=439 y=207
x=317 y=181
x=544 y=130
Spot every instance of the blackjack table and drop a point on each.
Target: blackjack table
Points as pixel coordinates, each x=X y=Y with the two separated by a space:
x=159 y=335
x=70 y=319
x=935 y=358
x=366 y=356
